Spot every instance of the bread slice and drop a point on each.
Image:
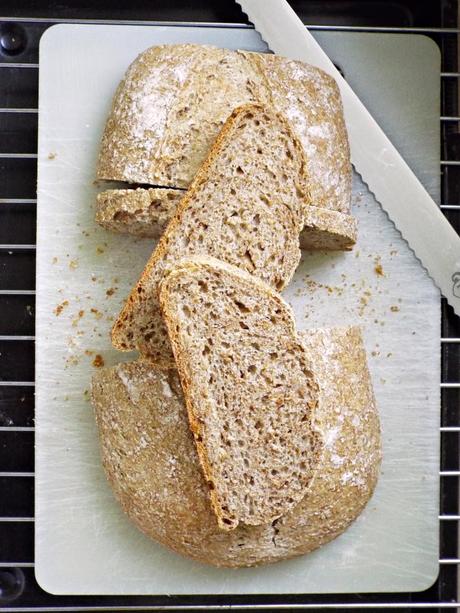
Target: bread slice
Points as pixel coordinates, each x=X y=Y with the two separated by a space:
x=141 y=212
x=174 y=99
x=248 y=386
x=146 y=212
x=243 y=207
x=150 y=459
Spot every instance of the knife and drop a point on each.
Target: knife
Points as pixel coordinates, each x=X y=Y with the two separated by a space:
x=419 y=219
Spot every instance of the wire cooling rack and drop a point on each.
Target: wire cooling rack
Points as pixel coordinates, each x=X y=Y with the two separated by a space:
x=19 y=37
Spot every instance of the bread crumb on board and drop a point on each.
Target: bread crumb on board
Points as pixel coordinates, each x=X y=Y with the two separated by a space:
x=52 y=155
x=96 y=313
x=60 y=307
x=394 y=308
x=98 y=361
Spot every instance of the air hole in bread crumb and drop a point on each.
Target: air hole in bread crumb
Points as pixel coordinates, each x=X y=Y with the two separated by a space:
x=252 y=368
x=239 y=170
x=242 y=307
x=243 y=325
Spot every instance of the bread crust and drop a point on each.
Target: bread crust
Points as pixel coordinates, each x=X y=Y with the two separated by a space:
x=150 y=459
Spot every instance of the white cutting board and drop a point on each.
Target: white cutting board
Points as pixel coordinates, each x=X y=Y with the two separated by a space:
x=84 y=543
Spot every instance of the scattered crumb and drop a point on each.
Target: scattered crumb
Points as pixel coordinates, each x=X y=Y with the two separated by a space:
x=60 y=307
x=89 y=352
x=389 y=355
x=52 y=156
x=98 y=361
x=111 y=291
x=72 y=361
x=394 y=308
x=96 y=313
x=99 y=249
x=73 y=264
x=86 y=395
x=378 y=269
x=77 y=318
x=54 y=260
x=115 y=280
x=394 y=252
x=93 y=278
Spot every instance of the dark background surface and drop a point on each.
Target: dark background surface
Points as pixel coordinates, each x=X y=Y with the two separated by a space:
x=18 y=132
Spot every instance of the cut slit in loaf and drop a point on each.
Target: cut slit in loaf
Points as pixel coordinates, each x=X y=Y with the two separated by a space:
x=146 y=212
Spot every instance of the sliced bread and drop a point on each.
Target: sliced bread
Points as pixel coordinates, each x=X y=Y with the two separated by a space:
x=248 y=387
x=174 y=99
x=150 y=459
x=243 y=207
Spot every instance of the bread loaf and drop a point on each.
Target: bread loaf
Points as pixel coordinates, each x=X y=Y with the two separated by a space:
x=248 y=387
x=174 y=99
x=244 y=207
x=150 y=459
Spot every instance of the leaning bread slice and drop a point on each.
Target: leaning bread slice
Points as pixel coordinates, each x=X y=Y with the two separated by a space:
x=142 y=212
x=151 y=462
x=244 y=207
x=248 y=386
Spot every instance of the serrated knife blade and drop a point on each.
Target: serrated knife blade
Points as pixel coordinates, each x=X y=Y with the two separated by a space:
x=374 y=157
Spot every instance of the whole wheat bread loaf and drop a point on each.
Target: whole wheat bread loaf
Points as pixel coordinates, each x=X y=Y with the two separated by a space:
x=243 y=207
x=174 y=99
x=150 y=459
x=248 y=387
